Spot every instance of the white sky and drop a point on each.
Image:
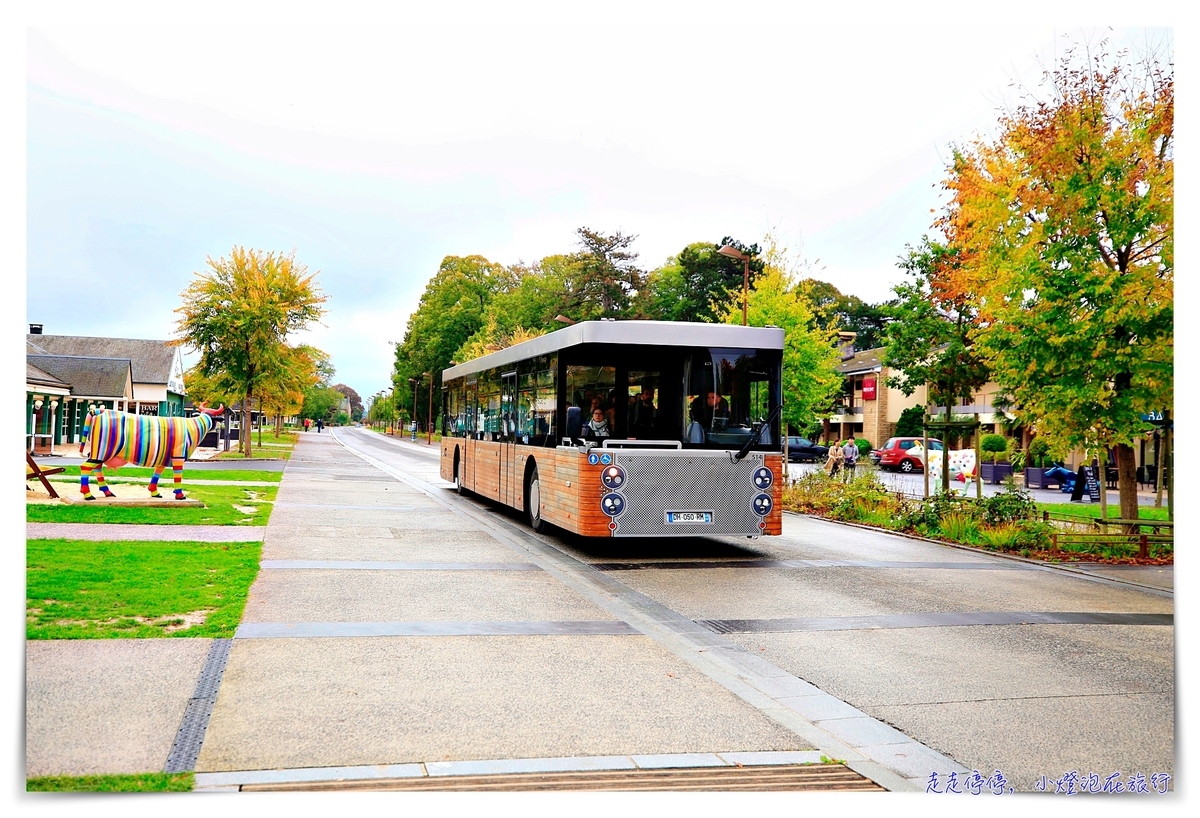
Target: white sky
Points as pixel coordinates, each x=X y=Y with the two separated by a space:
x=374 y=151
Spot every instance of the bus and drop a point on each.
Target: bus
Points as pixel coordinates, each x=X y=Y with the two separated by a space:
x=624 y=429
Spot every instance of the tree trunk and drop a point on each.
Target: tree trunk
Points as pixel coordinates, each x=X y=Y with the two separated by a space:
x=945 y=455
x=1127 y=484
x=247 y=428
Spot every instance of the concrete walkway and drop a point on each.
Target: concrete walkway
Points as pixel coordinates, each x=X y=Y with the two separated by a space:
x=387 y=636
x=386 y=631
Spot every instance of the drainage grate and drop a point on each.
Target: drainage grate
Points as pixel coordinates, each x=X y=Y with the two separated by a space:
x=812 y=777
x=932 y=620
x=190 y=736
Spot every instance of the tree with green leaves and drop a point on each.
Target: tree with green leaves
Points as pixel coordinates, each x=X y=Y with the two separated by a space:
x=452 y=309
x=1065 y=222
x=238 y=315
x=930 y=339
x=529 y=308
x=911 y=422
x=810 y=377
x=607 y=277
x=696 y=284
x=836 y=311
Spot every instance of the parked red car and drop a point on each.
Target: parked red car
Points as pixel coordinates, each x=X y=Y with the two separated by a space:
x=895 y=454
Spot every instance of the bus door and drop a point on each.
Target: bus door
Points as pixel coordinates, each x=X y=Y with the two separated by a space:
x=509 y=422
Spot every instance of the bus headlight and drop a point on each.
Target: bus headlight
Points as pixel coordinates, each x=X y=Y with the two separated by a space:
x=763 y=478
x=612 y=504
x=762 y=505
x=613 y=477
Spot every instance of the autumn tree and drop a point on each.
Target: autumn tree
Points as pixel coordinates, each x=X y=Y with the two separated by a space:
x=356 y=405
x=1066 y=221
x=283 y=393
x=238 y=315
x=930 y=340
x=810 y=377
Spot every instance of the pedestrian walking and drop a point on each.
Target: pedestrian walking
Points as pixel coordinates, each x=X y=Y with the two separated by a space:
x=849 y=458
x=834 y=463
x=320 y=425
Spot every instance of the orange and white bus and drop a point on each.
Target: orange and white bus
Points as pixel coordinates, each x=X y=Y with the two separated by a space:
x=624 y=429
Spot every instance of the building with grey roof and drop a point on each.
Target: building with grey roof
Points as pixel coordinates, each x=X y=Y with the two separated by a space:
x=66 y=375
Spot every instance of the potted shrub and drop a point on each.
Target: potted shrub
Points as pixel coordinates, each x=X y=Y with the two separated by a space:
x=1035 y=469
x=995 y=445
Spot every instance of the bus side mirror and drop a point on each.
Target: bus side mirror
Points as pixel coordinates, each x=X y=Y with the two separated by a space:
x=574 y=422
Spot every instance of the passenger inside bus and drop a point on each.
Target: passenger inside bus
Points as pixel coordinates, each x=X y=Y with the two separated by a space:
x=598 y=426
x=711 y=410
x=643 y=414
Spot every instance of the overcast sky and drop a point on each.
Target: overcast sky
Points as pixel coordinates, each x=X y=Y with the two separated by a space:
x=374 y=151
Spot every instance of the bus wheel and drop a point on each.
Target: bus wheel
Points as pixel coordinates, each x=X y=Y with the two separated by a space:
x=533 y=502
x=458 y=478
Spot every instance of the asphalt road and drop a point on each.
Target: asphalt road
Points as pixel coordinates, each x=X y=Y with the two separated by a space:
x=395 y=623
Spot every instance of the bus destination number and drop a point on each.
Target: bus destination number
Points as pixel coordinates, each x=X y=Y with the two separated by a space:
x=689 y=517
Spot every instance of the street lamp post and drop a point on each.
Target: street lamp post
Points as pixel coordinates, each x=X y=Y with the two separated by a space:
x=415 y=383
x=37 y=407
x=732 y=252
x=429 y=414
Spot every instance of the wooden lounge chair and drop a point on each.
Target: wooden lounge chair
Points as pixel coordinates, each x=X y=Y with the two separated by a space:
x=32 y=470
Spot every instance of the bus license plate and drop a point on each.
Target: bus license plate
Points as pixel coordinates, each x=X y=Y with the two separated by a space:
x=689 y=517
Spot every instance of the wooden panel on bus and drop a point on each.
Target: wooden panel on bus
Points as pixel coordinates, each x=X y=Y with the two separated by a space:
x=774 y=520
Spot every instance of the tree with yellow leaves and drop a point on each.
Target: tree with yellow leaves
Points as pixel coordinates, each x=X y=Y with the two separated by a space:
x=238 y=314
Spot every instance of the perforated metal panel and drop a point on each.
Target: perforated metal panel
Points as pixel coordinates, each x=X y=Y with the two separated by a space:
x=687 y=481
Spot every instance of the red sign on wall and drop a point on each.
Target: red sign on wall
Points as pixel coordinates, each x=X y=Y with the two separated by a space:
x=868 y=389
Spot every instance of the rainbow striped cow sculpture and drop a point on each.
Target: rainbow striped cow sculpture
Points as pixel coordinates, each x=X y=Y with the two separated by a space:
x=117 y=438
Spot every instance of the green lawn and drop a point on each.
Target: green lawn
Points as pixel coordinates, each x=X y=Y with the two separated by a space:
x=146 y=782
x=144 y=473
x=87 y=589
x=226 y=505
x=1093 y=510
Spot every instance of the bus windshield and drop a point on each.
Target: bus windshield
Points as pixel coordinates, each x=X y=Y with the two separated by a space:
x=728 y=392
x=707 y=397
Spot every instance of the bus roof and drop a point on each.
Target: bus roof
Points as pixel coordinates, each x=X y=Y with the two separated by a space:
x=645 y=333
